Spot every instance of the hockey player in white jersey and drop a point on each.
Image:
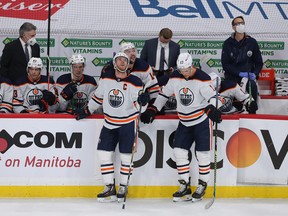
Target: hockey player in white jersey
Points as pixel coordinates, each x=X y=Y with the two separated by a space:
x=35 y=93
x=6 y=95
x=118 y=92
x=232 y=93
x=196 y=100
x=139 y=68
x=76 y=88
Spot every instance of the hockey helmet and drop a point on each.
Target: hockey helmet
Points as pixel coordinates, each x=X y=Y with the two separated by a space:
x=35 y=63
x=120 y=54
x=126 y=45
x=77 y=59
x=184 y=61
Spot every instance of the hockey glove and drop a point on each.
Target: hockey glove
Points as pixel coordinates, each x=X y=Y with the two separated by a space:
x=243 y=74
x=251 y=107
x=82 y=113
x=43 y=105
x=213 y=113
x=69 y=90
x=252 y=76
x=24 y=111
x=149 y=115
x=143 y=98
x=49 y=97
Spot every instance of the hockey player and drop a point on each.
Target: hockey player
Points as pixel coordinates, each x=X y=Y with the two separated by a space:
x=34 y=93
x=196 y=101
x=6 y=95
x=118 y=92
x=230 y=90
x=139 y=68
x=76 y=88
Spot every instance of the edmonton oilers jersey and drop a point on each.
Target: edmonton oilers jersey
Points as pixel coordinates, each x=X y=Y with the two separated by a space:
x=192 y=96
x=85 y=88
x=142 y=70
x=231 y=89
x=118 y=98
x=6 y=95
x=27 y=94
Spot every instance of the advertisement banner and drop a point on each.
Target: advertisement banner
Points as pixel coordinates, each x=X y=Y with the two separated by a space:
x=62 y=151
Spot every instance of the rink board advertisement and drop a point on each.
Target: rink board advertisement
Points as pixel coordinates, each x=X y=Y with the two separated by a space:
x=62 y=151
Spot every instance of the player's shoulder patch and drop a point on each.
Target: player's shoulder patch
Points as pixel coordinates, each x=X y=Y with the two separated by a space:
x=134 y=80
x=65 y=78
x=140 y=66
x=89 y=79
x=201 y=75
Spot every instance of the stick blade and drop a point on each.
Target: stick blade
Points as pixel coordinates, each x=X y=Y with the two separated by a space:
x=210 y=203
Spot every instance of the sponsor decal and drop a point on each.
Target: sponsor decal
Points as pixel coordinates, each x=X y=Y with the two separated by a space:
x=101 y=61
x=209 y=9
x=34 y=10
x=57 y=140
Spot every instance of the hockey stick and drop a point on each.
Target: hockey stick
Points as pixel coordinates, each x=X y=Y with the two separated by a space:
x=134 y=147
x=210 y=203
x=48 y=70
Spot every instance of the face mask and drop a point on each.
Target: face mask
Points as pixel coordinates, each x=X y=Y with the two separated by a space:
x=240 y=28
x=32 y=41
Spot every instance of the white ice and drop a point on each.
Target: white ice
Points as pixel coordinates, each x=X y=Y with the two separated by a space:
x=142 y=207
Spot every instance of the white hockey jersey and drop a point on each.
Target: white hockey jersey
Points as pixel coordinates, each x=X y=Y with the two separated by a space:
x=118 y=98
x=85 y=88
x=142 y=70
x=6 y=95
x=192 y=96
x=27 y=94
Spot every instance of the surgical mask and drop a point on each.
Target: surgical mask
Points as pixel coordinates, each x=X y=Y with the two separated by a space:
x=32 y=41
x=240 y=28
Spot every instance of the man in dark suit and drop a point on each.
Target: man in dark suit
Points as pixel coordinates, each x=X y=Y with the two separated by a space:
x=17 y=53
x=161 y=54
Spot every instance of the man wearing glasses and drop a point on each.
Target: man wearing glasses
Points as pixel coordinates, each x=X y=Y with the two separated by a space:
x=241 y=57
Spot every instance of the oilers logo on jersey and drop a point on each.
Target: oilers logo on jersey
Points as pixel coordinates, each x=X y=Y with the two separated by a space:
x=79 y=100
x=186 y=96
x=116 y=98
x=34 y=96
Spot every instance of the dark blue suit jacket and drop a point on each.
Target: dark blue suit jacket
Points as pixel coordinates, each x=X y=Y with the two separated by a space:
x=149 y=51
x=13 y=61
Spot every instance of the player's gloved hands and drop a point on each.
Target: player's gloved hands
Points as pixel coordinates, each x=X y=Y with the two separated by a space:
x=251 y=107
x=49 y=97
x=69 y=90
x=43 y=105
x=243 y=74
x=82 y=113
x=252 y=76
x=213 y=113
x=149 y=115
x=143 y=98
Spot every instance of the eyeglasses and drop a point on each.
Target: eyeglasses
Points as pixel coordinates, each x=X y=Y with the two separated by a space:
x=239 y=23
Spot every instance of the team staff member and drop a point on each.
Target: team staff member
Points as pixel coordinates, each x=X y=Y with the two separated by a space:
x=196 y=99
x=161 y=53
x=241 y=57
x=118 y=92
x=17 y=53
